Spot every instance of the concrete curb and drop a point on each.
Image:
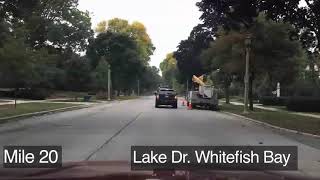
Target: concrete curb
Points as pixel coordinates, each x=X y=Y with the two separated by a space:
x=272 y=126
x=42 y=112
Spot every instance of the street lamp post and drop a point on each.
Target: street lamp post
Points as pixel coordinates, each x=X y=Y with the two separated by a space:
x=187 y=88
x=109 y=82
x=138 y=88
x=246 y=77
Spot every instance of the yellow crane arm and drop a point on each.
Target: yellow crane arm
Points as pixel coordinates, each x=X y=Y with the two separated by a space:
x=198 y=80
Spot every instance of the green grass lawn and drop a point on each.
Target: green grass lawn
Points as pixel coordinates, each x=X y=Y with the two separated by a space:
x=282 y=119
x=236 y=99
x=67 y=94
x=9 y=110
x=92 y=100
x=284 y=108
x=122 y=98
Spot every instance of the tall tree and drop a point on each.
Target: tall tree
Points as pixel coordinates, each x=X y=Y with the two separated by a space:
x=237 y=15
x=188 y=53
x=272 y=53
x=42 y=35
x=241 y=15
x=169 y=69
x=224 y=58
x=136 y=30
x=228 y=14
x=121 y=52
x=21 y=66
x=101 y=75
x=58 y=23
x=150 y=79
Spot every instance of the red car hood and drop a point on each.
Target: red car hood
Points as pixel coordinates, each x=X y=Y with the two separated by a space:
x=95 y=170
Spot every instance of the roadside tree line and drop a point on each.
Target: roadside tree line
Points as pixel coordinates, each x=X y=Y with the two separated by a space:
x=285 y=47
x=50 y=45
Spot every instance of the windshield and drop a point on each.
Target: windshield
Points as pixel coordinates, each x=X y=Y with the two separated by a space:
x=154 y=88
x=166 y=90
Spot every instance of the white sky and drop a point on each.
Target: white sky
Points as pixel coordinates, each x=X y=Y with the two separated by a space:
x=167 y=21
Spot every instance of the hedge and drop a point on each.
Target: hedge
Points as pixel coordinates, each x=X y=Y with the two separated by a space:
x=27 y=93
x=273 y=101
x=304 y=104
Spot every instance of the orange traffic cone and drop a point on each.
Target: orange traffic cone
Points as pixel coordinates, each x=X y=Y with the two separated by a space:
x=190 y=106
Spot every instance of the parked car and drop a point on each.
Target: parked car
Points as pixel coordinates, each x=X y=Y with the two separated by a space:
x=166 y=96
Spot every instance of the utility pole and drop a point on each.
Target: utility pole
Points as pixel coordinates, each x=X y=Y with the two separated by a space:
x=15 y=98
x=109 y=82
x=246 y=77
x=138 y=87
x=187 y=88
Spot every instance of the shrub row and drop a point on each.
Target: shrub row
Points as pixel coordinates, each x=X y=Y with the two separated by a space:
x=299 y=103
x=304 y=104
x=273 y=101
x=27 y=93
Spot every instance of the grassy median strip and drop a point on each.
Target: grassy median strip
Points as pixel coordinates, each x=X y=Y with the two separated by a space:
x=123 y=98
x=282 y=118
x=9 y=110
x=75 y=100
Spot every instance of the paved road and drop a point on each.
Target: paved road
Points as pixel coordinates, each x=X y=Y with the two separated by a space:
x=106 y=132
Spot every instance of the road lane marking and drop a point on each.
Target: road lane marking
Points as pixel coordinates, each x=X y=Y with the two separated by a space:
x=112 y=137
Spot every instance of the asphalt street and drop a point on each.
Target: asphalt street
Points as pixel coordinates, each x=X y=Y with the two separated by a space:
x=107 y=131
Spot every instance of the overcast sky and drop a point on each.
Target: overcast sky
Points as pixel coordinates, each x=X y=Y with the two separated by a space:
x=167 y=21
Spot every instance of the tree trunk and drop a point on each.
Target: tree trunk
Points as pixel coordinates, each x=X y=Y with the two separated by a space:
x=15 y=98
x=227 y=94
x=313 y=72
x=250 y=94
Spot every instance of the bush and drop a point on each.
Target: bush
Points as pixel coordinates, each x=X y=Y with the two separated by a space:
x=304 y=88
x=92 y=93
x=6 y=93
x=236 y=90
x=32 y=93
x=304 y=104
x=221 y=94
x=273 y=101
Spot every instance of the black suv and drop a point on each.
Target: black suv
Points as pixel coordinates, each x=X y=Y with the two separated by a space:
x=166 y=96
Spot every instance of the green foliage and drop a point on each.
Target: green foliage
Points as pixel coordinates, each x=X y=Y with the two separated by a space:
x=21 y=66
x=26 y=108
x=282 y=119
x=15 y=63
x=170 y=73
x=121 y=52
x=304 y=104
x=58 y=23
x=77 y=71
x=136 y=31
x=101 y=75
x=127 y=47
x=272 y=52
x=38 y=44
x=242 y=15
x=168 y=68
x=304 y=87
x=273 y=101
x=187 y=55
x=150 y=79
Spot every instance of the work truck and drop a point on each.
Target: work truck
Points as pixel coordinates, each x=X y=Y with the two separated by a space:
x=202 y=95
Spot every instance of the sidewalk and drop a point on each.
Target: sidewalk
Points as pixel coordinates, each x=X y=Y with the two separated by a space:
x=260 y=106
x=10 y=102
